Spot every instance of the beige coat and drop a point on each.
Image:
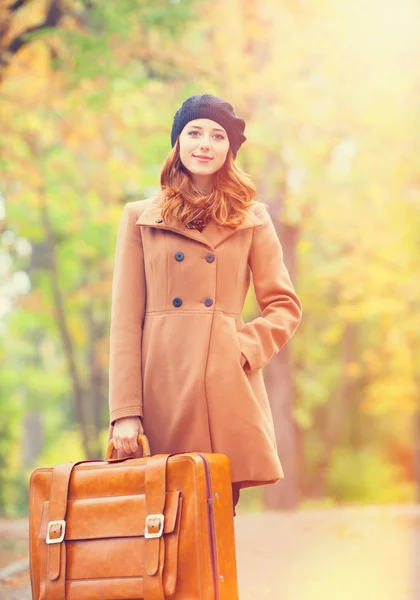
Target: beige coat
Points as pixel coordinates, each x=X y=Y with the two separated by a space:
x=177 y=335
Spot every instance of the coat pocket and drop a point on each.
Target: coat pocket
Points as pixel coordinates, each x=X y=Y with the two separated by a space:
x=239 y=353
x=238 y=326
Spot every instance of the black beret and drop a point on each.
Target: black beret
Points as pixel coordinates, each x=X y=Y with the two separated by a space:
x=207 y=106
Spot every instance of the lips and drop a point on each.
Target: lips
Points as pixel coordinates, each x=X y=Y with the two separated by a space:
x=202 y=158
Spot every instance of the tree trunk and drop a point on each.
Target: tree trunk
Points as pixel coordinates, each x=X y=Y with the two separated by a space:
x=281 y=391
x=32 y=442
x=78 y=392
x=279 y=383
x=96 y=384
x=338 y=411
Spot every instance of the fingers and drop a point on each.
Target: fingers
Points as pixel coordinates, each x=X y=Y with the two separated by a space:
x=127 y=443
x=133 y=444
x=125 y=434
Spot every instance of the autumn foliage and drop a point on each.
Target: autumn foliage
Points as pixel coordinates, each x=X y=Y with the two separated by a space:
x=330 y=95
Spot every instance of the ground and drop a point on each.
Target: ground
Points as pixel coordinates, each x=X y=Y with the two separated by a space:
x=334 y=554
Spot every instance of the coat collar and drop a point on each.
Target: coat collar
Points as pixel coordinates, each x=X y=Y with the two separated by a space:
x=212 y=236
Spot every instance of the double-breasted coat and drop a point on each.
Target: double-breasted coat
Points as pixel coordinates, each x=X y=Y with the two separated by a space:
x=177 y=335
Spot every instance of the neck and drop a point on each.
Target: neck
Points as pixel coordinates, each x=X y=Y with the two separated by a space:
x=205 y=185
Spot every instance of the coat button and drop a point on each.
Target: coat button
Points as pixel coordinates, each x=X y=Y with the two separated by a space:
x=208 y=302
x=210 y=257
x=179 y=256
x=177 y=301
x=159 y=221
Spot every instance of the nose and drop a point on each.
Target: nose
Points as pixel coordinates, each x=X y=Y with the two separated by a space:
x=205 y=142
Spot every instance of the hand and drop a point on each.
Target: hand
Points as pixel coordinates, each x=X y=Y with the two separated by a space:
x=125 y=434
x=243 y=359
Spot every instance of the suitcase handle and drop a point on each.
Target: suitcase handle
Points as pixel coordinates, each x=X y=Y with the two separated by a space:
x=141 y=440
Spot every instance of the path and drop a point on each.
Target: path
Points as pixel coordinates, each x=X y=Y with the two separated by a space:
x=370 y=553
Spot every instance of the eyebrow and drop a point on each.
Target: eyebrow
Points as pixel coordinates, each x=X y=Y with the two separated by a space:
x=214 y=128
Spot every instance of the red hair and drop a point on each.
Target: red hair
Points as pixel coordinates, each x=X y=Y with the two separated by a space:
x=234 y=191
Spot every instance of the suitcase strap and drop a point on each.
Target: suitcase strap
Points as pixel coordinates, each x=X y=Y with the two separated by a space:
x=155 y=489
x=56 y=529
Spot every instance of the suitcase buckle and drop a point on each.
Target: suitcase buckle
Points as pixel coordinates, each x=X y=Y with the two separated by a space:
x=51 y=540
x=154 y=534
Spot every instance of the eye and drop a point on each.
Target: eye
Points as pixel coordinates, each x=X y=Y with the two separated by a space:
x=218 y=136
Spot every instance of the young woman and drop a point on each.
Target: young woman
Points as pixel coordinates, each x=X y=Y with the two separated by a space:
x=184 y=367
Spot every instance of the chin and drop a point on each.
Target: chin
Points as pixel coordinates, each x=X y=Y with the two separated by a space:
x=202 y=170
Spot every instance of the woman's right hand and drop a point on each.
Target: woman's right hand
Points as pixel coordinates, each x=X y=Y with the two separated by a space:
x=126 y=430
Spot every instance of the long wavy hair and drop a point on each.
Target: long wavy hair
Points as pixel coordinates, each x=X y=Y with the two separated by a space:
x=233 y=194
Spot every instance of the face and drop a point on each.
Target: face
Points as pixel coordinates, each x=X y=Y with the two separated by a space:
x=203 y=138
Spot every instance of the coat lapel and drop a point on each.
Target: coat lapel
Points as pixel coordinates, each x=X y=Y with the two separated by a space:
x=213 y=235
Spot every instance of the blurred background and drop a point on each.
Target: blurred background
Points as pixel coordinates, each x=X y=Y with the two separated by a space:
x=330 y=91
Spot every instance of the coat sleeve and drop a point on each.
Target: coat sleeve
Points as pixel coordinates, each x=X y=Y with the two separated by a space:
x=127 y=314
x=281 y=309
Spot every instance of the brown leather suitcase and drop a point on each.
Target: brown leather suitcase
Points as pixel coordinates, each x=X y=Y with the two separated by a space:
x=147 y=528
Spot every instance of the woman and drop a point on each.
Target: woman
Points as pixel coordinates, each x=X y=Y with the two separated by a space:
x=184 y=367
